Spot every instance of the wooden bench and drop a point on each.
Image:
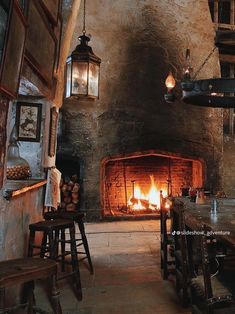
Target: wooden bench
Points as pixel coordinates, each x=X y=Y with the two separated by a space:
x=26 y=271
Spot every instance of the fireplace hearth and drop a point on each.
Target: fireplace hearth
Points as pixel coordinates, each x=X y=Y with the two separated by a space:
x=133 y=185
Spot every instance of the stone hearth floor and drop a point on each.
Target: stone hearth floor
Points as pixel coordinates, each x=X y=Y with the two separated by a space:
x=127 y=279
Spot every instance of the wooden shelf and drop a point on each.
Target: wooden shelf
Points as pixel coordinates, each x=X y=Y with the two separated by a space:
x=17 y=187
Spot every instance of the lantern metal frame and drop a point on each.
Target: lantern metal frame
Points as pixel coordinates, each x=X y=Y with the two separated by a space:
x=213 y=92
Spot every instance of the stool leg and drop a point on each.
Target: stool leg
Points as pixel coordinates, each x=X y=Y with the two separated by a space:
x=55 y=294
x=56 y=244
x=62 y=250
x=85 y=244
x=2 y=300
x=75 y=262
x=31 y=243
x=43 y=245
x=51 y=245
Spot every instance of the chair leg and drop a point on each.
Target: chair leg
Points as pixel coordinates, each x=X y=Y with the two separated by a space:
x=164 y=261
x=2 y=300
x=85 y=243
x=55 y=296
x=75 y=265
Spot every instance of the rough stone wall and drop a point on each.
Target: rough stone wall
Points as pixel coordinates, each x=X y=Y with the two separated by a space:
x=138 y=42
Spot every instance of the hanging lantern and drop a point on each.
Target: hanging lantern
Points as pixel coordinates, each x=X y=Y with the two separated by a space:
x=83 y=69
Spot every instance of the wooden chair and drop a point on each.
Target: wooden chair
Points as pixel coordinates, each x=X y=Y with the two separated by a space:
x=167 y=242
x=182 y=270
x=26 y=271
x=209 y=295
x=53 y=234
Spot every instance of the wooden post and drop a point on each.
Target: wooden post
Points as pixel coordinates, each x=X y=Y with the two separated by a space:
x=64 y=52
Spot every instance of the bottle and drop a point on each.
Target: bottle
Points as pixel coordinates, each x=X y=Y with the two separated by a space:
x=214 y=206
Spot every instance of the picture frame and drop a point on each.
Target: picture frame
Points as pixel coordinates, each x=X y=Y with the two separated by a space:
x=28 y=121
x=53 y=131
x=13 y=51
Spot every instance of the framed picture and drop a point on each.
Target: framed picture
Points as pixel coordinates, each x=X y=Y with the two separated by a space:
x=53 y=131
x=28 y=121
x=12 y=53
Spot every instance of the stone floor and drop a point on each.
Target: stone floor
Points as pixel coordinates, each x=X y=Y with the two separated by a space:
x=127 y=276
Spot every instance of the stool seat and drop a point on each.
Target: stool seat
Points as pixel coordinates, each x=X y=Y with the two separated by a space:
x=49 y=225
x=73 y=215
x=25 y=271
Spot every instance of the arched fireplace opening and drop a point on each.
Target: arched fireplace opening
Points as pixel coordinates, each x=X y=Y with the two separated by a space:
x=132 y=185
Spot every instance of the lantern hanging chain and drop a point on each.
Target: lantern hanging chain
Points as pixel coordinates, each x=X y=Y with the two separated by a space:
x=84 y=17
x=205 y=61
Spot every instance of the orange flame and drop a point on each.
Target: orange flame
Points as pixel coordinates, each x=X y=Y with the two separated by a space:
x=151 y=200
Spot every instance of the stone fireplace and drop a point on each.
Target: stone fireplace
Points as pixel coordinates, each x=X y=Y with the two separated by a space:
x=134 y=184
x=131 y=123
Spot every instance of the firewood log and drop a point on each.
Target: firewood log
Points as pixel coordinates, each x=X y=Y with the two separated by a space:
x=74 y=196
x=67 y=199
x=64 y=188
x=74 y=178
x=66 y=193
x=71 y=207
x=62 y=205
x=76 y=187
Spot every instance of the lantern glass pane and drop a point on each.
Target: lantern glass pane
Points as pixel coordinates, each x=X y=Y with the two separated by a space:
x=68 y=81
x=93 y=88
x=79 y=78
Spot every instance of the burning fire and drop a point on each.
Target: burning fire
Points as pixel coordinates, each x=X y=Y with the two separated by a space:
x=140 y=201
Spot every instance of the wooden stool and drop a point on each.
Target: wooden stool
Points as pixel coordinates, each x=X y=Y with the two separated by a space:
x=77 y=217
x=25 y=271
x=53 y=234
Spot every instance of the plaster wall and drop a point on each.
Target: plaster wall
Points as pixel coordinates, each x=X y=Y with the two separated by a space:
x=139 y=41
x=15 y=217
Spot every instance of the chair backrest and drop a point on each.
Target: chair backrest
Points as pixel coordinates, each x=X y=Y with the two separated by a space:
x=181 y=238
x=206 y=264
x=163 y=220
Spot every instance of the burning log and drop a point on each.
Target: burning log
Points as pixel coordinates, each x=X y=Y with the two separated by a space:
x=145 y=203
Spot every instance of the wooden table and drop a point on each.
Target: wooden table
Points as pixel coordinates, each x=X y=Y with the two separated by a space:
x=221 y=224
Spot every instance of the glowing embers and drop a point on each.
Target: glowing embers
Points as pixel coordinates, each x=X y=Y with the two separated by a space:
x=150 y=201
